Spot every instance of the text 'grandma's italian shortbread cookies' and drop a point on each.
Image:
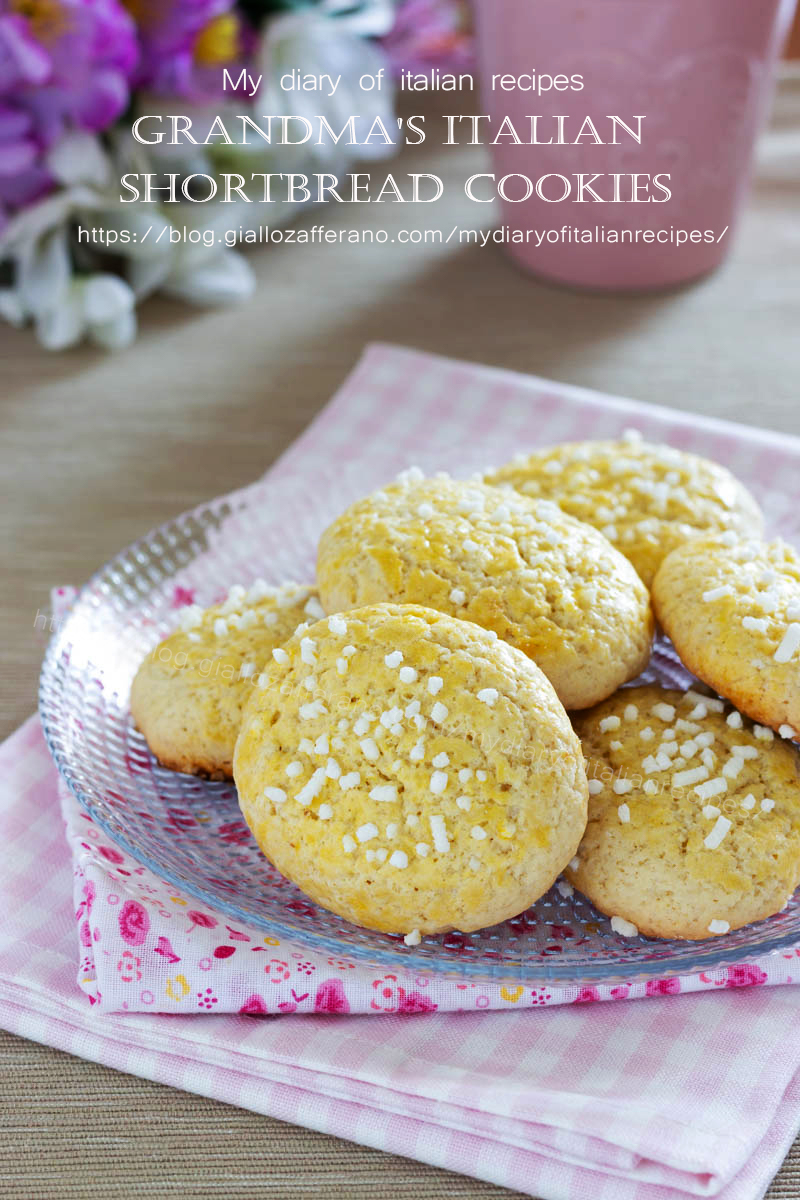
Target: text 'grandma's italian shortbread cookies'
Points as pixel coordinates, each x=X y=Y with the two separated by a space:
x=550 y=585
x=411 y=772
x=647 y=499
x=733 y=613
x=188 y=694
x=694 y=815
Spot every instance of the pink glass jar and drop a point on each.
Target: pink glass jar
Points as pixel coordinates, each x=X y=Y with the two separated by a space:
x=700 y=73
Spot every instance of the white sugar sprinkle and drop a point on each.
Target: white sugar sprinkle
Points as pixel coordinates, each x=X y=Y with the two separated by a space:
x=608 y=723
x=689 y=778
x=651 y=787
x=275 y=794
x=624 y=813
x=247 y=670
x=391 y=830
x=478 y=833
x=425 y=511
x=755 y=624
x=438 y=782
x=321 y=745
x=763 y=733
x=439 y=712
x=370 y=749
x=294 y=769
x=564 y=888
x=475 y=864
x=422 y=849
x=280 y=656
x=435 y=684
x=464 y=803
x=790 y=644
x=622 y=786
x=332 y=769
x=717 y=926
x=623 y=927
x=348 y=843
x=441 y=760
x=767 y=805
x=646 y=734
x=713 y=787
x=399 y=860
x=220 y=627
x=312 y=788
x=394 y=659
x=710 y=811
x=749 y=801
x=417 y=753
x=308 y=651
x=337 y=625
x=458 y=596
x=367 y=831
x=595 y=787
x=414 y=938
x=786 y=731
x=488 y=696
x=440 y=838
x=734 y=720
x=714 y=839
x=349 y=781
x=665 y=712
x=481 y=775
x=718 y=592
x=465 y=774
x=408 y=675
x=324 y=812
x=384 y=793
x=412 y=820
x=631 y=712
x=309 y=711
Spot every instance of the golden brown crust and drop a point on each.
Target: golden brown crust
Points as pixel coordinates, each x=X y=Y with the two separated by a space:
x=667 y=771
x=410 y=771
x=727 y=610
x=188 y=695
x=646 y=498
x=550 y=585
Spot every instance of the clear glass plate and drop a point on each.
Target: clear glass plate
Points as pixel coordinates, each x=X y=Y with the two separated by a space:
x=191 y=832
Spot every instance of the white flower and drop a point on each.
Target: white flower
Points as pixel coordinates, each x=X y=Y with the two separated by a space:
x=330 y=39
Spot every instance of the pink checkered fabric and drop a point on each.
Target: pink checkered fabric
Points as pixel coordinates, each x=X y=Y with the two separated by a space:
x=683 y=1094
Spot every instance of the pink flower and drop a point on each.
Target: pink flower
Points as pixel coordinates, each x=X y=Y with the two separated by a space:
x=182 y=596
x=744 y=975
x=663 y=987
x=111 y=855
x=415 y=1002
x=587 y=995
x=330 y=998
x=201 y=919
x=254 y=1006
x=133 y=922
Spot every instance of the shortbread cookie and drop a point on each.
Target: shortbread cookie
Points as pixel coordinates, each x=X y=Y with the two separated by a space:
x=550 y=585
x=188 y=694
x=733 y=613
x=647 y=499
x=411 y=772
x=694 y=814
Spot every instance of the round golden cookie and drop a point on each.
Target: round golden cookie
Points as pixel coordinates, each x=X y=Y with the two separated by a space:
x=550 y=585
x=411 y=772
x=646 y=498
x=188 y=695
x=694 y=815
x=733 y=614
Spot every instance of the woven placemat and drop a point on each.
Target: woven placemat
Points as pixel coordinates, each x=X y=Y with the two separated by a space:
x=73 y=1130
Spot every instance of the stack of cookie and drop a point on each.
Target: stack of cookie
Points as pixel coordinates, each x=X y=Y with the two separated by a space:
x=404 y=753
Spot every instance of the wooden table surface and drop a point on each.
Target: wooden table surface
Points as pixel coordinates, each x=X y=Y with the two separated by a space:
x=97 y=449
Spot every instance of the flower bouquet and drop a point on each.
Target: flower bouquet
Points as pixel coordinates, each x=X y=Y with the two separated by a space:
x=74 y=76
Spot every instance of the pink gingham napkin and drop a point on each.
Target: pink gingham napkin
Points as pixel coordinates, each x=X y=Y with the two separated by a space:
x=685 y=1094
